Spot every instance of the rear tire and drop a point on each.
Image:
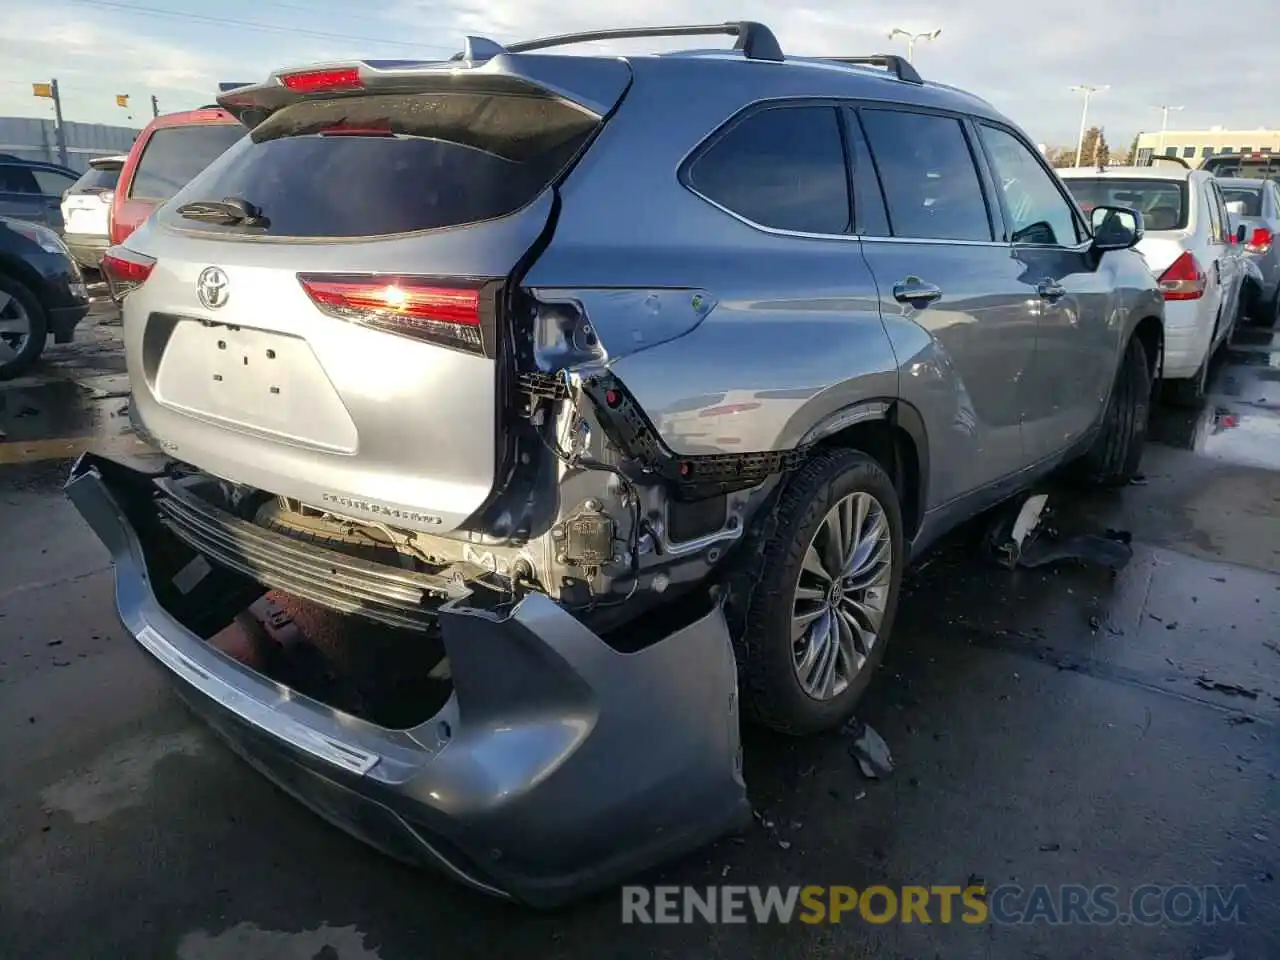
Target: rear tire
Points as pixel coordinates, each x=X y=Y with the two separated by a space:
x=800 y=623
x=18 y=304
x=1188 y=393
x=1116 y=454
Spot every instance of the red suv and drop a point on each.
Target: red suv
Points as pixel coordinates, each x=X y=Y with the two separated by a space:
x=167 y=154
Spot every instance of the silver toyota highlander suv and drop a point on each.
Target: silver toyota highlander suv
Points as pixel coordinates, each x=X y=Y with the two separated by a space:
x=578 y=394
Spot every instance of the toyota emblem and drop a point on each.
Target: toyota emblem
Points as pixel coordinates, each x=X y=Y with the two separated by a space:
x=213 y=288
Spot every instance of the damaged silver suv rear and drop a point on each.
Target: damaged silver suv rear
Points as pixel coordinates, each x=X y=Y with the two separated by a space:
x=511 y=410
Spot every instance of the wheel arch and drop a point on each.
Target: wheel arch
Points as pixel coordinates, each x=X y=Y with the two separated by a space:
x=892 y=432
x=17 y=269
x=1150 y=333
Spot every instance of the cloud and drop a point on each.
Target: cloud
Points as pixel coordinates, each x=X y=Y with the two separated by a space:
x=1021 y=55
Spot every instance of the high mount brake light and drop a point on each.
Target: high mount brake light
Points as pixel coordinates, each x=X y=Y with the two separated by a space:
x=313 y=81
x=438 y=311
x=125 y=270
x=1184 y=280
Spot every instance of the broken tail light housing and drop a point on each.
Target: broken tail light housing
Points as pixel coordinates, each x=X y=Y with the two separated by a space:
x=316 y=81
x=125 y=270
x=450 y=313
x=1184 y=280
x=1260 y=241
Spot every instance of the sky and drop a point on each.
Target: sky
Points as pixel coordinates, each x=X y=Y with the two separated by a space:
x=1022 y=55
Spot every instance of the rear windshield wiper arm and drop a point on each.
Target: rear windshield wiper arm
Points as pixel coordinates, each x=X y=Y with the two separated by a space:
x=229 y=212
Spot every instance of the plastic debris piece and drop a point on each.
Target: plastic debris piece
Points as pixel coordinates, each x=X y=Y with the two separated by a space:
x=872 y=753
x=1230 y=689
x=1112 y=550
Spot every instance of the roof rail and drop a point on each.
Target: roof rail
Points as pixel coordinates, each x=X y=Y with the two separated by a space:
x=896 y=65
x=755 y=40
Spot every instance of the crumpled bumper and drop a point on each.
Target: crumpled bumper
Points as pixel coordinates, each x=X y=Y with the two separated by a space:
x=558 y=767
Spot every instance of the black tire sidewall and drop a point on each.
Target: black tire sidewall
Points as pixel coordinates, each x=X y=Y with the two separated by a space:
x=30 y=353
x=772 y=695
x=1117 y=453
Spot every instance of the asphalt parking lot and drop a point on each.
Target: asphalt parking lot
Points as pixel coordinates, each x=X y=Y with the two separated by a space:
x=1064 y=725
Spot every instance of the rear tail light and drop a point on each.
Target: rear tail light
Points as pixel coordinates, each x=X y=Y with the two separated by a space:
x=1184 y=280
x=439 y=311
x=313 y=81
x=1260 y=241
x=125 y=270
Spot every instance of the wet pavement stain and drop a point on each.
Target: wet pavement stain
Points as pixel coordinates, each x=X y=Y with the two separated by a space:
x=61 y=419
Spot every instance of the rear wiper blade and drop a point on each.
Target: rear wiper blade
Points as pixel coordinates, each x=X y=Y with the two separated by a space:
x=228 y=212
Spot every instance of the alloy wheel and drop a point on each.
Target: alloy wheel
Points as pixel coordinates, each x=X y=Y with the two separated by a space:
x=841 y=595
x=15 y=327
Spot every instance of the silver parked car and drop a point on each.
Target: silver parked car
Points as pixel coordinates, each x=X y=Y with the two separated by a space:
x=1255 y=205
x=591 y=398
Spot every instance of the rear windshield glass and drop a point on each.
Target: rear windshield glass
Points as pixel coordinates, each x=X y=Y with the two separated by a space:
x=97 y=179
x=393 y=163
x=1250 y=197
x=1162 y=203
x=1253 y=168
x=174 y=155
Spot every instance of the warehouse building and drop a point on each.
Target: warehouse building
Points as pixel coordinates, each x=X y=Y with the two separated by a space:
x=1195 y=146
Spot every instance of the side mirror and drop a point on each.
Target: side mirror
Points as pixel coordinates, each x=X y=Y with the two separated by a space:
x=1242 y=232
x=1116 y=228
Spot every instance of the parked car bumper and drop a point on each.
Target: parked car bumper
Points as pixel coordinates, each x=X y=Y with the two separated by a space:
x=87 y=248
x=62 y=293
x=558 y=766
x=1188 y=330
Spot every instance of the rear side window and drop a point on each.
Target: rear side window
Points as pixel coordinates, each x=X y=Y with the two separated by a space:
x=393 y=163
x=1250 y=197
x=931 y=185
x=173 y=155
x=97 y=179
x=16 y=179
x=782 y=168
x=1162 y=203
x=52 y=183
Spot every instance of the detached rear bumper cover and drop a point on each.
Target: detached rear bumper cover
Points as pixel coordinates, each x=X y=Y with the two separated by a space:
x=557 y=768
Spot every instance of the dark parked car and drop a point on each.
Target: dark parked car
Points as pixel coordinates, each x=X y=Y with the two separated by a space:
x=31 y=190
x=42 y=292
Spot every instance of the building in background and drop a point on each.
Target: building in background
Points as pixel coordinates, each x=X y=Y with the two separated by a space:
x=1195 y=146
x=30 y=138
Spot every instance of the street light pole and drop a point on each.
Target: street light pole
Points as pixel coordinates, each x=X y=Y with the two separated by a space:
x=912 y=38
x=1164 y=123
x=1088 y=92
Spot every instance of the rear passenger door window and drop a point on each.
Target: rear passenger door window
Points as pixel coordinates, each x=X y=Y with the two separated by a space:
x=1034 y=206
x=931 y=185
x=782 y=168
x=1216 y=221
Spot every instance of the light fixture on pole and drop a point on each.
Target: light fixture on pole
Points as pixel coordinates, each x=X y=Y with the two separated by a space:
x=1164 y=122
x=1088 y=92
x=912 y=38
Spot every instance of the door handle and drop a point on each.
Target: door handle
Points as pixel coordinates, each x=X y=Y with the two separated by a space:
x=1051 y=290
x=916 y=292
